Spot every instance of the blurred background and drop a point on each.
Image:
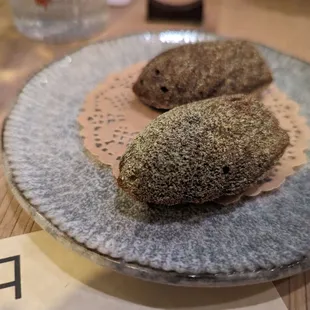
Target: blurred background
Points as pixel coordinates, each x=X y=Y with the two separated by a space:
x=64 y=25
x=61 y=26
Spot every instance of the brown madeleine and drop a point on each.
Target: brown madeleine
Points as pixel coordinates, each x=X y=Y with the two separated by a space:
x=199 y=71
x=201 y=151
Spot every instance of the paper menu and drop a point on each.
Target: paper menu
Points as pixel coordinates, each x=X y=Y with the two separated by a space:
x=54 y=278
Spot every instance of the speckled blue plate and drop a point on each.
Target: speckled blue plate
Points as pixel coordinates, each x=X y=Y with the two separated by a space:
x=79 y=203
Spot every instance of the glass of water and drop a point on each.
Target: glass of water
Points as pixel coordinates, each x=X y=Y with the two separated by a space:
x=59 y=20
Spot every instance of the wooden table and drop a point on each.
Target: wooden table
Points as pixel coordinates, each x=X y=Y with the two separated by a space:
x=282 y=24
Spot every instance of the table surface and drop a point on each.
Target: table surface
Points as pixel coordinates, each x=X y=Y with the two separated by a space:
x=282 y=24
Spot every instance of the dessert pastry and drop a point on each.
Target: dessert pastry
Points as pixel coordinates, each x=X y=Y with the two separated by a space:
x=202 y=151
x=199 y=71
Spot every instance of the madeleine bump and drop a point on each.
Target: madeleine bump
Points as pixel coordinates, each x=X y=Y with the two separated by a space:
x=201 y=151
x=193 y=72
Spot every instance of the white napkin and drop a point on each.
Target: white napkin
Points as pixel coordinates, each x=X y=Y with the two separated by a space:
x=54 y=278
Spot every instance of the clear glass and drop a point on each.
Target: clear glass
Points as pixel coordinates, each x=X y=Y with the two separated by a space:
x=59 y=20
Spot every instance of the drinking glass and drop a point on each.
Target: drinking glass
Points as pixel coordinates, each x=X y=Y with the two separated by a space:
x=59 y=20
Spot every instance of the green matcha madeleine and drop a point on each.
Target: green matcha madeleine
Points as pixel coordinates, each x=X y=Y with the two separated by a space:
x=201 y=151
x=199 y=71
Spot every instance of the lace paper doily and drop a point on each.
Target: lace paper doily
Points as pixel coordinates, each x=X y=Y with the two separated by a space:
x=112 y=116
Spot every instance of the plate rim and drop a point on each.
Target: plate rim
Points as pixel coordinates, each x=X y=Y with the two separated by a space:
x=135 y=269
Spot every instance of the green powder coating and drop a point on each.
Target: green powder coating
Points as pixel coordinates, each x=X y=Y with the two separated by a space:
x=199 y=71
x=201 y=151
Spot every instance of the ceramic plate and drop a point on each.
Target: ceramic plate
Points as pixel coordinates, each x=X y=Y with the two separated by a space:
x=258 y=240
